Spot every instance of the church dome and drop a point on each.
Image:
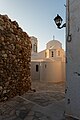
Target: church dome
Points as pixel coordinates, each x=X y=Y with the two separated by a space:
x=53 y=44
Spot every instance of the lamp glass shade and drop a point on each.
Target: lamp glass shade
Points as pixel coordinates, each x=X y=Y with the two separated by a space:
x=58 y=20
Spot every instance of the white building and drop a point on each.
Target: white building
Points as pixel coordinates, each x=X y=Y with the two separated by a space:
x=49 y=64
x=73 y=59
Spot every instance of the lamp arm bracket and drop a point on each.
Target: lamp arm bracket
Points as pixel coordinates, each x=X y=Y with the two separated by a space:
x=64 y=25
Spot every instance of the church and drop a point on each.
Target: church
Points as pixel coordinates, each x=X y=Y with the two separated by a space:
x=48 y=65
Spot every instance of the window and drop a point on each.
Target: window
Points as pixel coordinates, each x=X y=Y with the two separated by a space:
x=37 y=68
x=58 y=53
x=45 y=65
x=45 y=54
x=35 y=47
x=52 y=54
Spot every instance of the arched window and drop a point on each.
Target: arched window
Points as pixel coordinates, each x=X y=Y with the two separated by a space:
x=58 y=53
x=37 y=68
x=45 y=54
x=35 y=47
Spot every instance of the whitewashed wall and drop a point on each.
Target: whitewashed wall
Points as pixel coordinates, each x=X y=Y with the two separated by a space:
x=73 y=59
x=49 y=71
x=52 y=71
x=35 y=75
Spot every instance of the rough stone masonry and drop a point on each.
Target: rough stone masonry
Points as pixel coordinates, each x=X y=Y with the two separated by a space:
x=15 y=59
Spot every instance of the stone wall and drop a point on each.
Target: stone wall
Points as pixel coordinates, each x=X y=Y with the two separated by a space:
x=15 y=59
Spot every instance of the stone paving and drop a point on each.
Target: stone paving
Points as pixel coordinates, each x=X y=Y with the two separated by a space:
x=47 y=103
x=44 y=98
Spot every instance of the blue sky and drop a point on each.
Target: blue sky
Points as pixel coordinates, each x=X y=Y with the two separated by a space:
x=36 y=18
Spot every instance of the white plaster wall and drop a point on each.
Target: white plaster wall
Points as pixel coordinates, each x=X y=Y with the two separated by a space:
x=52 y=71
x=73 y=59
x=49 y=71
x=35 y=75
x=40 y=55
x=34 y=56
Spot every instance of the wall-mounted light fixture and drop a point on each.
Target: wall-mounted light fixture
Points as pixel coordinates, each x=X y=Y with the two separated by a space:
x=58 y=21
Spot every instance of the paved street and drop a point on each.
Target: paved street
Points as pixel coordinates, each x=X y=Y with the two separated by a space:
x=47 y=103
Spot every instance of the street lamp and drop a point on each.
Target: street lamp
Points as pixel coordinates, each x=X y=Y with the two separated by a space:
x=58 y=21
